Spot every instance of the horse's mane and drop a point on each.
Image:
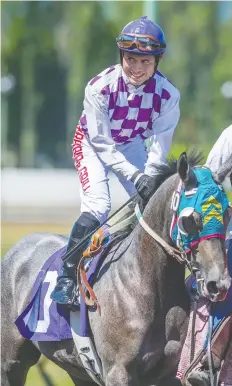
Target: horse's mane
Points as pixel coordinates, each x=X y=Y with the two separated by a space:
x=165 y=171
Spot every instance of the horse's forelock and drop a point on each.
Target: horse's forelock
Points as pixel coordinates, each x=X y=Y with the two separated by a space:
x=164 y=171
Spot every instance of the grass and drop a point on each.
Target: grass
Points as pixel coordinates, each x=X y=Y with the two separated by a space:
x=58 y=376
x=11 y=233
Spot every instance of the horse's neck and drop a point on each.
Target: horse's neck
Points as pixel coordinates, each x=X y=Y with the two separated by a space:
x=139 y=266
x=158 y=213
x=151 y=257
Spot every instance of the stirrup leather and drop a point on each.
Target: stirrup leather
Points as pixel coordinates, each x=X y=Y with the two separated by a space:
x=99 y=240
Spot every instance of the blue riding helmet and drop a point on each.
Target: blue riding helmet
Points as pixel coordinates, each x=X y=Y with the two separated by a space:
x=142 y=36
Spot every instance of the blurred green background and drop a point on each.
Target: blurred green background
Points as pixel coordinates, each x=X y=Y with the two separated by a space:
x=51 y=49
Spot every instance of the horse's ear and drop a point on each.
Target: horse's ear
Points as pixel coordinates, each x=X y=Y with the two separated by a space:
x=186 y=173
x=224 y=171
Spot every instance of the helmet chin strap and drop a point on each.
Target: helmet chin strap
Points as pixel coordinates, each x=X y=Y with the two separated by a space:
x=157 y=59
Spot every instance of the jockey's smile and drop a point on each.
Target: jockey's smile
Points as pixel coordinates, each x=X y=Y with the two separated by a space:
x=138 y=68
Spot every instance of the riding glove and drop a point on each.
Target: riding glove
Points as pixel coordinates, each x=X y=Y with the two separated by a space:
x=144 y=184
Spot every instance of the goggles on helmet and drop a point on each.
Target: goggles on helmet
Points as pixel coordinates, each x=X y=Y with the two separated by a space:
x=144 y=43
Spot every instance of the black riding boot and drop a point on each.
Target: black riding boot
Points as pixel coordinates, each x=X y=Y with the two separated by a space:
x=64 y=291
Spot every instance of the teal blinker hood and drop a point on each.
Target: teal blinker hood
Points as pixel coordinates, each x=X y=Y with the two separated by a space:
x=210 y=201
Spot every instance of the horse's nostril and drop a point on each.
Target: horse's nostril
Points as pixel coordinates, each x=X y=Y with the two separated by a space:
x=212 y=287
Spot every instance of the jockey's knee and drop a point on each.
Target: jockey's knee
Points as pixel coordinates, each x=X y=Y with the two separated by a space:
x=100 y=209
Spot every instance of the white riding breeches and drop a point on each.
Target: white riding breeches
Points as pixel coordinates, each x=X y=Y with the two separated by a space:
x=93 y=175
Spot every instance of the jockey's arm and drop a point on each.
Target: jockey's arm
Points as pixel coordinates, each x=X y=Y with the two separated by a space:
x=163 y=129
x=221 y=150
x=100 y=137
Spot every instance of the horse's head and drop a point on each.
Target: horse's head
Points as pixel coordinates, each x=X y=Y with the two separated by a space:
x=201 y=215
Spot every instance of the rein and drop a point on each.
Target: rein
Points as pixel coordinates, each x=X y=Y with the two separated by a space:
x=179 y=254
x=168 y=248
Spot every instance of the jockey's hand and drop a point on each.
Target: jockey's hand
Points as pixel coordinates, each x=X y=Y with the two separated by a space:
x=144 y=184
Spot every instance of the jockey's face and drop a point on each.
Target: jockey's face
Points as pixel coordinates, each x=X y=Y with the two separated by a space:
x=138 y=68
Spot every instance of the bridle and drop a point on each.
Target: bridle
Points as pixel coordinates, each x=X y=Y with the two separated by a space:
x=184 y=256
x=179 y=254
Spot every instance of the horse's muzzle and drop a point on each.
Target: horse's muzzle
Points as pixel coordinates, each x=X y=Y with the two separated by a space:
x=216 y=291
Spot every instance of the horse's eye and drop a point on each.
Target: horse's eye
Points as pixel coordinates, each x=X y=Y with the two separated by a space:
x=189 y=226
x=198 y=221
x=192 y=224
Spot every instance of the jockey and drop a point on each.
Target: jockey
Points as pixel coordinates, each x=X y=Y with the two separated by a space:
x=219 y=154
x=221 y=150
x=123 y=106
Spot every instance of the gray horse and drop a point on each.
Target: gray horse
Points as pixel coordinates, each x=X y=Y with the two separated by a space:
x=141 y=290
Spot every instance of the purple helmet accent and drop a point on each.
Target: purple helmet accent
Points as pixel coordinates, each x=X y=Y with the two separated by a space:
x=144 y=26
